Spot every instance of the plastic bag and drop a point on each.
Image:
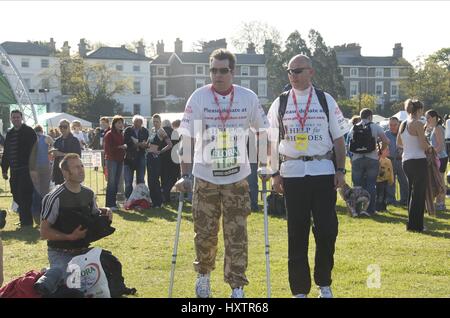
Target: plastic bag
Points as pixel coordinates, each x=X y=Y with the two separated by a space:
x=139 y=198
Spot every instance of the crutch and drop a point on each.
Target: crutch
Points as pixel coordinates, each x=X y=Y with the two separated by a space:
x=264 y=172
x=175 y=244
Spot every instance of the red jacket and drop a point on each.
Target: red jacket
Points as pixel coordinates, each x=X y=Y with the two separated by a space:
x=111 y=141
x=22 y=287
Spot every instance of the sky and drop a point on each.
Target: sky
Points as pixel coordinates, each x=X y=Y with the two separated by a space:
x=422 y=27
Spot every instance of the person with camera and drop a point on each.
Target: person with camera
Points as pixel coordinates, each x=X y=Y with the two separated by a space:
x=63 y=208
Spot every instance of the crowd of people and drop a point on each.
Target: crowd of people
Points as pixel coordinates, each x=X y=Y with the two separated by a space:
x=306 y=145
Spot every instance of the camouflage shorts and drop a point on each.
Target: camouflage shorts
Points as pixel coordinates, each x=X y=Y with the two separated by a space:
x=210 y=201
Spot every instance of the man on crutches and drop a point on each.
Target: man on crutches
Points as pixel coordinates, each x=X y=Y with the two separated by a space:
x=216 y=119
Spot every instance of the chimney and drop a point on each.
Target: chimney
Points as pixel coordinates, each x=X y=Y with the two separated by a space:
x=66 y=48
x=140 y=48
x=398 y=50
x=268 y=47
x=82 y=48
x=160 y=47
x=178 y=46
x=348 y=50
x=210 y=46
x=251 y=49
x=123 y=46
x=52 y=45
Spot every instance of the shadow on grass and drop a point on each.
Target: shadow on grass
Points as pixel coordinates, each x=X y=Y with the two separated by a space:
x=168 y=213
x=29 y=235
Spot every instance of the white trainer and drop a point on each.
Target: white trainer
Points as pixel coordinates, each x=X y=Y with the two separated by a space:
x=300 y=296
x=202 y=286
x=238 y=293
x=325 y=292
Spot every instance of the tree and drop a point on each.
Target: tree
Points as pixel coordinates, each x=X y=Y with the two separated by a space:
x=91 y=88
x=430 y=82
x=441 y=57
x=295 y=45
x=256 y=32
x=150 y=49
x=328 y=75
x=353 y=106
x=276 y=68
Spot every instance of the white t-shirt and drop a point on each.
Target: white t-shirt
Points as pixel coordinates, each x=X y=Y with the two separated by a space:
x=80 y=136
x=220 y=154
x=313 y=140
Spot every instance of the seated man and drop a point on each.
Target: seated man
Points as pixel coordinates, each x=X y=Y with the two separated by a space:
x=62 y=213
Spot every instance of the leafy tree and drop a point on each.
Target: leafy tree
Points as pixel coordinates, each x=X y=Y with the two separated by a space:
x=328 y=75
x=353 y=106
x=91 y=88
x=429 y=82
x=441 y=57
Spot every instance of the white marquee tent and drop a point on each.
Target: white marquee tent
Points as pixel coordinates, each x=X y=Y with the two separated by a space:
x=51 y=120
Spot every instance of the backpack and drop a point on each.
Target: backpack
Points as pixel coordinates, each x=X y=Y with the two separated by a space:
x=362 y=140
x=282 y=110
x=113 y=271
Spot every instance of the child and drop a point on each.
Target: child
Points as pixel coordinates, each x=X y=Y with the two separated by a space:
x=385 y=177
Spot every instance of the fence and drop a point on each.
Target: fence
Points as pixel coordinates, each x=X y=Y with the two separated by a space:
x=94 y=175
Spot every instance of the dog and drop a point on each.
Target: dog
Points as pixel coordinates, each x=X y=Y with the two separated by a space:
x=357 y=200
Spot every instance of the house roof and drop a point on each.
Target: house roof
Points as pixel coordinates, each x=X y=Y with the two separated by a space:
x=116 y=53
x=203 y=58
x=26 y=48
x=367 y=60
x=162 y=58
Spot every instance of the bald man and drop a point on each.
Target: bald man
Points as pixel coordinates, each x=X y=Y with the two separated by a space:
x=307 y=176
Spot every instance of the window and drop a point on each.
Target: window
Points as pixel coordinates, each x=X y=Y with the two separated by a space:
x=136 y=68
x=342 y=71
x=160 y=88
x=199 y=83
x=379 y=89
x=161 y=71
x=45 y=83
x=200 y=70
x=27 y=82
x=136 y=108
x=119 y=67
x=379 y=72
x=395 y=72
x=353 y=72
x=262 y=88
x=262 y=71
x=137 y=87
x=25 y=63
x=245 y=83
x=394 y=89
x=44 y=63
x=245 y=71
x=354 y=88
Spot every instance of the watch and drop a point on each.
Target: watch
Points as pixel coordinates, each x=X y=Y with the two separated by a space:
x=343 y=170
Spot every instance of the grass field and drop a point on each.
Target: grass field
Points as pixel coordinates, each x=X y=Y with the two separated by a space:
x=410 y=264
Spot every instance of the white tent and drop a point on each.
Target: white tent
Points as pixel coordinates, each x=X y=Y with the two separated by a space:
x=51 y=120
x=401 y=115
x=377 y=118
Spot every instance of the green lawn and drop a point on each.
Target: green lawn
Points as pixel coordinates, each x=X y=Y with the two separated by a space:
x=411 y=264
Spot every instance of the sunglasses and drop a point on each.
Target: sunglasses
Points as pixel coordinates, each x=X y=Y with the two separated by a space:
x=222 y=71
x=297 y=70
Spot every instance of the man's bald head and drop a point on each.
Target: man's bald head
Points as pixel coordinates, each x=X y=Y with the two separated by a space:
x=300 y=58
